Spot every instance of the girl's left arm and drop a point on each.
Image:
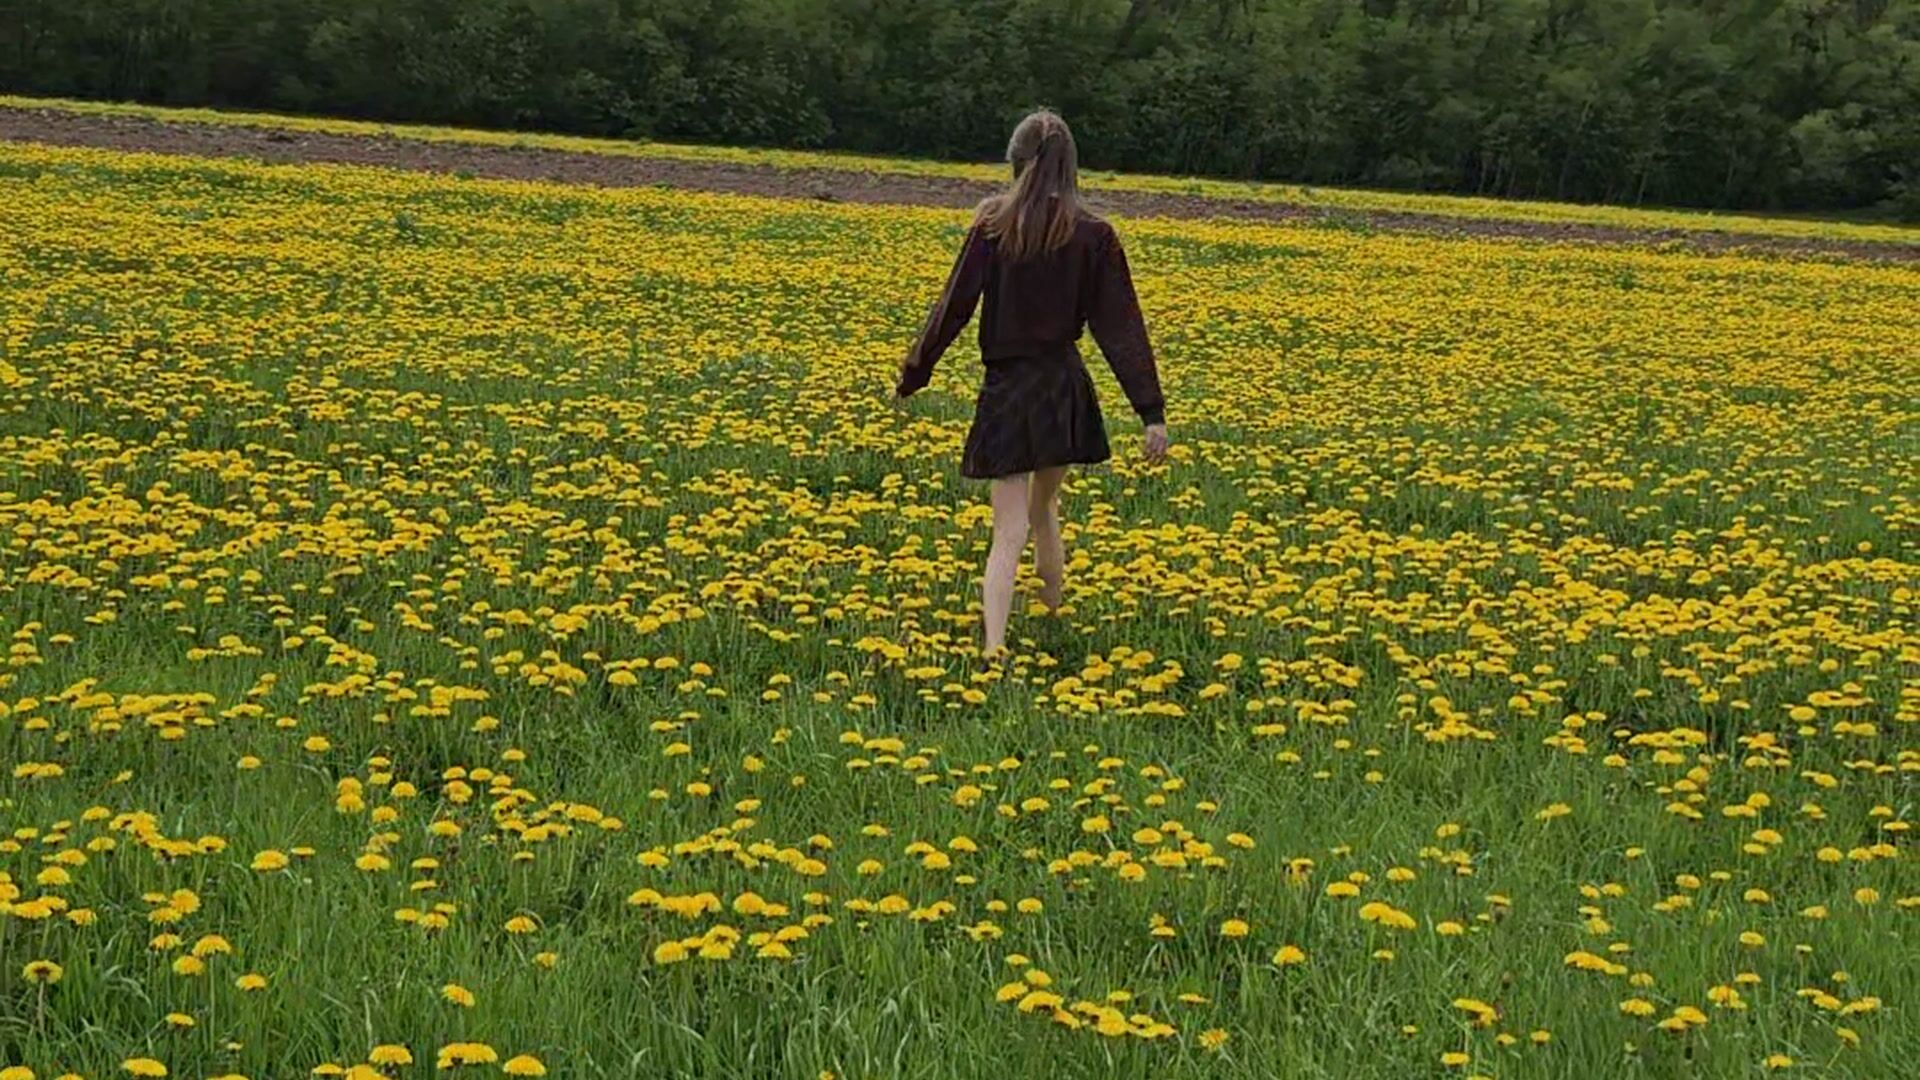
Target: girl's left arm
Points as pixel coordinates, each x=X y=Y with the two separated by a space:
x=1121 y=331
x=949 y=316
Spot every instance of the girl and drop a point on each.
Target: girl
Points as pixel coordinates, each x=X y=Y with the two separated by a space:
x=1047 y=267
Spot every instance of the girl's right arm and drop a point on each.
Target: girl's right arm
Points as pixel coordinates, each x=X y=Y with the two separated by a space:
x=949 y=316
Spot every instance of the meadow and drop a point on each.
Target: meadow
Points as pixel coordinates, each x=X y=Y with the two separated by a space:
x=469 y=628
x=1355 y=202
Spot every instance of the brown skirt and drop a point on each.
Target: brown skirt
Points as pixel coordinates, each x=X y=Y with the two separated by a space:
x=1034 y=414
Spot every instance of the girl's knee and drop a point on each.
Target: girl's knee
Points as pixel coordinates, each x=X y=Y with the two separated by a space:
x=1010 y=508
x=1043 y=495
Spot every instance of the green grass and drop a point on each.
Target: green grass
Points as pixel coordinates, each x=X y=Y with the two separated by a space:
x=1414 y=476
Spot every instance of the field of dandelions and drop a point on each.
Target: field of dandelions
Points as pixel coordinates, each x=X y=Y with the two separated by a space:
x=466 y=628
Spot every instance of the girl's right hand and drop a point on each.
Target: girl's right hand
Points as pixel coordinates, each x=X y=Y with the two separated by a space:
x=1155 y=446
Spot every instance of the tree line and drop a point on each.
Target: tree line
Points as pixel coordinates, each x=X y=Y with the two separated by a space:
x=1764 y=104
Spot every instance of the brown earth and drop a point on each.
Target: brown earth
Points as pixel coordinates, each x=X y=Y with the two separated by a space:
x=281 y=146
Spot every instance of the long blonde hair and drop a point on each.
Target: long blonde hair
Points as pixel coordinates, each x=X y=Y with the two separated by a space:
x=1037 y=213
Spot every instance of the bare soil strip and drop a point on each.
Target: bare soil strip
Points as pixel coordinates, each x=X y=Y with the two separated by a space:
x=281 y=146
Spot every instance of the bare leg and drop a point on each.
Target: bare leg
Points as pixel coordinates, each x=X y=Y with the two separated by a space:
x=1003 y=560
x=1043 y=514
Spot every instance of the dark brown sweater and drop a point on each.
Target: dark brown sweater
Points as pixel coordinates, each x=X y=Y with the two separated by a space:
x=1036 y=308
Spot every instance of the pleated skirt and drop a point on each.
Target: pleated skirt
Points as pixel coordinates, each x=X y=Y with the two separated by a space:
x=1034 y=413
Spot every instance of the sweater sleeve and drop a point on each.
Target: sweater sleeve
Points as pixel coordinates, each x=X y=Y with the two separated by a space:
x=1121 y=331
x=950 y=315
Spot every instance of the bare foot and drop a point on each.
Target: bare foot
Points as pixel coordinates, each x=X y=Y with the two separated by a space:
x=984 y=649
x=1052 y=593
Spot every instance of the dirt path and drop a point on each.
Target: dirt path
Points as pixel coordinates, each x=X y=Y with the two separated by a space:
x=58 y=128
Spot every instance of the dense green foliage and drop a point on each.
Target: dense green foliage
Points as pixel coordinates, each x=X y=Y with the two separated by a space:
x=1723 y=103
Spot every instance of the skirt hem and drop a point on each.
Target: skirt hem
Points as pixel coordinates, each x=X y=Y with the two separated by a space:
x=1034 y=414
x=1084 y=459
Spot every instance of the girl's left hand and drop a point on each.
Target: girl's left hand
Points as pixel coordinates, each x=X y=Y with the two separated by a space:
x=1154 y=447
